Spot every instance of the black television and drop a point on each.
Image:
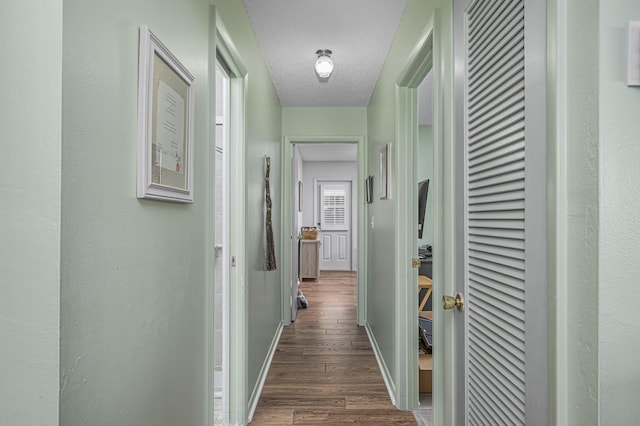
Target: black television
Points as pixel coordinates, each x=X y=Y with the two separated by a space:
x=423 y=193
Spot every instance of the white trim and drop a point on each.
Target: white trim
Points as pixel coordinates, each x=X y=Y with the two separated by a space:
x=404 y=159
x=238 y=327
x=559 y=307
x=238 y=297
x=210 y=247
x=444 y=272
x=223 y=252
x=264 y=371
x=386 y=376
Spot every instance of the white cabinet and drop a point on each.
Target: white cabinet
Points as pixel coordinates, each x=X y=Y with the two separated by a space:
x=309 y=259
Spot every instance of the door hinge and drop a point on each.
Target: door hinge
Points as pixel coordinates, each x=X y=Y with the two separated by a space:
x=415 y=263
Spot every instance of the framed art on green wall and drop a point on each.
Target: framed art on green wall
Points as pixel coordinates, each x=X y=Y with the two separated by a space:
x=165 y=123
x=385 y=158
x=369 y=189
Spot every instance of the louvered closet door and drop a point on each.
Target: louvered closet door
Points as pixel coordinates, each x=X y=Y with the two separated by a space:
x=503 y=231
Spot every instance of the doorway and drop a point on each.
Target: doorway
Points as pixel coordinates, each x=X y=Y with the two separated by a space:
x=301 y=194
x=424 y=179
x=322 y=179
x=221 y=267
x=324 y=198
x=228 y=353
x=407 y=242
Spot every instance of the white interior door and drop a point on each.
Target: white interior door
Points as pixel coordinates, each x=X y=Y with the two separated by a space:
x=500 y=51
x=334 y=220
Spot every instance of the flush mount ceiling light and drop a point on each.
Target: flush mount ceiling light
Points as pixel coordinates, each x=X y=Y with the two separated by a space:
x=324 y=64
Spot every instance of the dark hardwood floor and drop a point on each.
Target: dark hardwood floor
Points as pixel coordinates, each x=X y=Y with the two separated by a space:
x=324 y=370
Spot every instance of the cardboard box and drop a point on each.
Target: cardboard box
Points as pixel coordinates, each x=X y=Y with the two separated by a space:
x=425 y=369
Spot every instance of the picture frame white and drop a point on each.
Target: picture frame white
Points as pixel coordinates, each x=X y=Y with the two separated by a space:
x=633 y=54
x=384 y=185
x=166 y=104
x=300 y=196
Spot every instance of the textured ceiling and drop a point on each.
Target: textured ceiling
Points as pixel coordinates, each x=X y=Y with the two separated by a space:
x=359 y=32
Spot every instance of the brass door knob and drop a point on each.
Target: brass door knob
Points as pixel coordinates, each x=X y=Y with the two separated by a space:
x=448 y=302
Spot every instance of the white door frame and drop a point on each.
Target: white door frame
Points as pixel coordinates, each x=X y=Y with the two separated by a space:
x=425 y=57
x=222 y=251
x=222 y=44
x=295 y=226
x=287 y=220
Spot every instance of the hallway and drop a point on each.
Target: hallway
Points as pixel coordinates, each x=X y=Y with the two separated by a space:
x=324 y=371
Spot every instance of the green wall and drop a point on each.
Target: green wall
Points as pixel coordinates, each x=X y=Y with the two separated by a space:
x=134 y=300
x=381 y=116
x=114 y=313
x=263 y=138
x=619 y=232
x=31 y=86
x=135 y=273
x=577 y=173
x=425 y=171
x=596 y=206
x=307 y=121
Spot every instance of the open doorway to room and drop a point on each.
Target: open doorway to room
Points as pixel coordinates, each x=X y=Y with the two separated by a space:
x=424 y=172
x=324 y=188
x=419 y=188
x=323 y=171
x=227 y=348
x=221 y=267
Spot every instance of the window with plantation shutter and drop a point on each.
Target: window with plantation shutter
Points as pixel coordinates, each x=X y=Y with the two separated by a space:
x=333 y=207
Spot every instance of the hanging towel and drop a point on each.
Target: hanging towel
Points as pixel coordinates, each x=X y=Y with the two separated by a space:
x=270 y=251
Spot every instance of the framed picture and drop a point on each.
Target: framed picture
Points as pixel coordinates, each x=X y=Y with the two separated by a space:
x=385 y=154
x=300 y=195
x=369 y=189
x=165 y=123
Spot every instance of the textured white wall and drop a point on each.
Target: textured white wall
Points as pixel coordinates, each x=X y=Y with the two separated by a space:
x=31 y=84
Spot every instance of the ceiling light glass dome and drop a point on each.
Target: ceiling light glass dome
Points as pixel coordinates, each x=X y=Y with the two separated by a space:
x=324 y=64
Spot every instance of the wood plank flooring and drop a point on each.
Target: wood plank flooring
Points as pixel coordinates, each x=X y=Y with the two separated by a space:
x=324 y=370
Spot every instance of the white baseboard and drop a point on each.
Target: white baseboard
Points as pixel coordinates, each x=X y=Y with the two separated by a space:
x=262 y=377
x=388 y=380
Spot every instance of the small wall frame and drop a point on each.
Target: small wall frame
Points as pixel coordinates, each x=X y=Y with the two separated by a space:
x=384 y=185
x=369 y=189
x=165 y=123
x=300 y=196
